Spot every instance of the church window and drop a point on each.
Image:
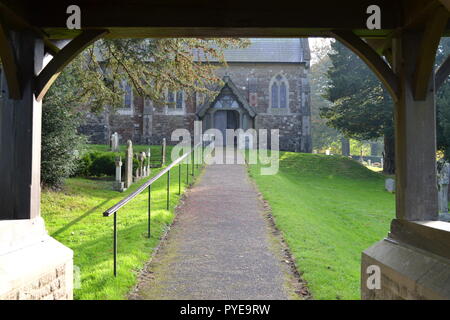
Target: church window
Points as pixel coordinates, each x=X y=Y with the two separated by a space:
x=175 y=99
x=279 y=92
x=128 y=95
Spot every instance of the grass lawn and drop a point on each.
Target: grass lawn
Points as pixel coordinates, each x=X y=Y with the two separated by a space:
x=74 y=217
x=329 y=209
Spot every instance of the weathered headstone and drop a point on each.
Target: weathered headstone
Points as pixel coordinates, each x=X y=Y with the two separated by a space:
x=389 y=184
x=163 y=151
x=142 y=166
x=115 y=142
x=137 y=171
x=129 y=165
x=443 y=181
x=118 y=184
x=148 y=162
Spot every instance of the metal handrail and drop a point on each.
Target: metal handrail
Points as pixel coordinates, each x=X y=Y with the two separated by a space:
x=113 y=210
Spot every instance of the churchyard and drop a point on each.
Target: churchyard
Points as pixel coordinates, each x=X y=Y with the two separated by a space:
x=340 y=208
x=74 y=217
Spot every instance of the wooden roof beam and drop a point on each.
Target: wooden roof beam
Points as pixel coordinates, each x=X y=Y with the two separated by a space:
x=49 y=74
x=372 y=59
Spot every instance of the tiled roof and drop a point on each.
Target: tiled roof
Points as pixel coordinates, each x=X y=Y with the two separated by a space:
x=270 y=50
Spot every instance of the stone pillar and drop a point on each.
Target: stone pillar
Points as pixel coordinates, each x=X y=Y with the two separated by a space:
x=32 y=264
x=129 y=165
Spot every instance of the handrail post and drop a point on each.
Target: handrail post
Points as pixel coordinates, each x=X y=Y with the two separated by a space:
x=187 y=171
x=149 y=208
x=179 y=178
x=168 y=188
x=193 y=165
x=115 y=244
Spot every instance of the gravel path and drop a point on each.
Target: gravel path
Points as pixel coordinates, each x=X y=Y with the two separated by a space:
x=220 y=247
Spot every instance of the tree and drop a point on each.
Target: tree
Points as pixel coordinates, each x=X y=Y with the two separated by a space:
x=443 y=104
x=323 y=136
x=95 y=80
x=361 y=107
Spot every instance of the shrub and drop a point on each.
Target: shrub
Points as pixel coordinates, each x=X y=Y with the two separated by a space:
x=61 y=144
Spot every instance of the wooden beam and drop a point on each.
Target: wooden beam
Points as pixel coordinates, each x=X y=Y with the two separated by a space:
x=442 y=73
x=446 y=4
x=9 y=62
x=49 y=74
x=372 y=59
x=427 y=52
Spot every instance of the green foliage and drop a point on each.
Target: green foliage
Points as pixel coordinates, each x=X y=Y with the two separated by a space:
x=61 y=144
x=443 y=103
x=102 y=164
x=329 y=209
x=361 y=107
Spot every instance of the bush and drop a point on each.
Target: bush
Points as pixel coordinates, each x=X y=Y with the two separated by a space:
x=103 y=164
x=98 y=164
x=61 y=144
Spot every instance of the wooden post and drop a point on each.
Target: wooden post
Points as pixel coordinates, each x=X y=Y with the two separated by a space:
x=415 y=124
x=20 y=135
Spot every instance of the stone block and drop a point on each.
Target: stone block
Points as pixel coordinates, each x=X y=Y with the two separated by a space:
x=406 y=272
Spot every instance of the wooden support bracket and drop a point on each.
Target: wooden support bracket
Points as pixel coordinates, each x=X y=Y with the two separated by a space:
x=372 y=59
x=427 y=53
x=9 y=61
x=442 y=73
x=49 y=74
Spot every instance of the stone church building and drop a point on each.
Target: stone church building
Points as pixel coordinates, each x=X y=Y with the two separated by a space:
x=265 y=87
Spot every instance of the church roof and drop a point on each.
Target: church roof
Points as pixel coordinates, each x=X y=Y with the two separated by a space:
x=268 y=50
x=288 y=50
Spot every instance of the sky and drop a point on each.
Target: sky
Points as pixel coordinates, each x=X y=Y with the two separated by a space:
x=315 y=43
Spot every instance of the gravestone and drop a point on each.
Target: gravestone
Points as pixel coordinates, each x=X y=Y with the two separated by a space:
x=148 y=162
x=163 y=151
x=118 y=184
x=142 y=166
x=389 y=185
x=137 y=172
x=443 y=181
x=129 y=165
x=115 y=142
